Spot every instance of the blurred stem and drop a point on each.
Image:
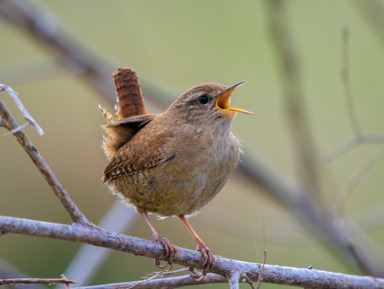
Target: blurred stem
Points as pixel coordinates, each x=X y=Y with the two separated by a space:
x=372 y=12
x=347 y=84
x=287 y=57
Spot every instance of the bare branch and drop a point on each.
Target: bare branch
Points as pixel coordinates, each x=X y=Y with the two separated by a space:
x=372 y=12
x=260 y=279
x=11 y=124
x=364 y=138
x=26 y=114
x=222 y=266
x=62 y=280
x=359 y=173
x=346 y=82
x=88 y=260
x=170 y=282
x=370 y=219
x=287 y=56
x=359 y=137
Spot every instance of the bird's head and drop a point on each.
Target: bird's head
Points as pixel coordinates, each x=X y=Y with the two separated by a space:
x=206 y=102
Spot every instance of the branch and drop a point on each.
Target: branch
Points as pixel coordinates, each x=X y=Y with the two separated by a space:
x=372 y=12
x=347 y=84
x=170 y=282
x=301 y=277
x=359 y=173
x=359 y=136
x=347 y=146
x=88 y=260
x=292 y=93
x=10 y=123
x=62 y=280
x=26 y=114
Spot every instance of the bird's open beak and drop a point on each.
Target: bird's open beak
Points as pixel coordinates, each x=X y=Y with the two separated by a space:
x=222 y=101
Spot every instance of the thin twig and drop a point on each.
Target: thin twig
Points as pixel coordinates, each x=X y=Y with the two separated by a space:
x=347 y=146
x=246 y=279
x=346 y=82
x=359 y=137
x=260 y=278
x=71 y=208
x=9 y=271
x=62 y=280
x=261 y=271
x=160 y=275
x=288 y=58
x=370 y=219
x=170 y=282
x=359 y=173
x=20 y=105
x=225 y=267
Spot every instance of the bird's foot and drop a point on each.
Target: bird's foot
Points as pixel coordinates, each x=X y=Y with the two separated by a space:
x=208 y=260
x=170 y=252
x=193 y=273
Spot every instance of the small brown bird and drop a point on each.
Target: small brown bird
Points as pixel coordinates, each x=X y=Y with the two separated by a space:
x=172 y=163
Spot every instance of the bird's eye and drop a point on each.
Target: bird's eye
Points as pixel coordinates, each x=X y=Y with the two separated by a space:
x=203 y=99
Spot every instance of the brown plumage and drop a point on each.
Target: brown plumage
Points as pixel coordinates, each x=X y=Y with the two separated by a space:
x=172 y=163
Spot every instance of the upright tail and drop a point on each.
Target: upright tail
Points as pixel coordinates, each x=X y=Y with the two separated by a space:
x=130 y=103
x=130 y=100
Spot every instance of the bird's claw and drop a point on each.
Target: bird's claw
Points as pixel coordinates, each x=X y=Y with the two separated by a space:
x=170 y=253
x=192 y=272
x=208 y=260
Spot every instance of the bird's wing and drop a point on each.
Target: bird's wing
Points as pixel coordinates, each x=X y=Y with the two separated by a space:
x=119 y=133
x=144 y=151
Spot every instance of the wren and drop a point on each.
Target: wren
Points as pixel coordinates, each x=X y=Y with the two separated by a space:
x=172 y=163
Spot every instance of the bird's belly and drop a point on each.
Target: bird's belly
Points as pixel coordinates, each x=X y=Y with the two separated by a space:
x=171 y=190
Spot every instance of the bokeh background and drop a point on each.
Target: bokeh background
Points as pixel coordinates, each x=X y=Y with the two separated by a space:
x=174 y=45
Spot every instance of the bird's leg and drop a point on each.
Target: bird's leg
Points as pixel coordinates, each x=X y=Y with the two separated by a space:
x=169 y=249
x=202 y=248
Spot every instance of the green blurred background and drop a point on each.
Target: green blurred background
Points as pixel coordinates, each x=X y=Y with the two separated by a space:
x=178 y=44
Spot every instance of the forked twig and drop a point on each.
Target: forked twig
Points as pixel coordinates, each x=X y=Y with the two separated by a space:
x=347 y=146
x=359 y=136
x=359 y=173
x=20 y=105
